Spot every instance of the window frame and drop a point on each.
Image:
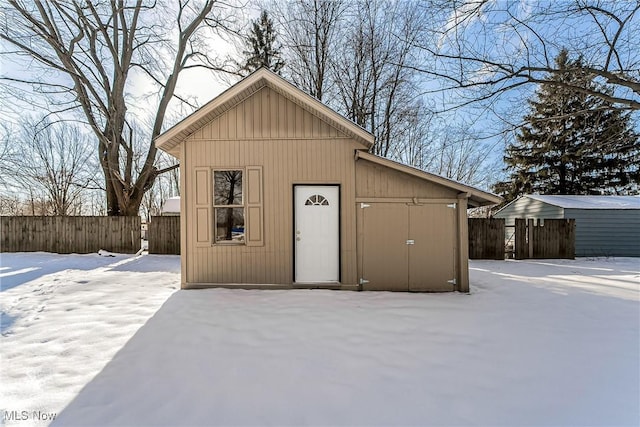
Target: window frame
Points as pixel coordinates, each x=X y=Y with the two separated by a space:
x=215 y=207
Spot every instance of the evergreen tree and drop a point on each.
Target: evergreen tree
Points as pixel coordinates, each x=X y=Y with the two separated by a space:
x=572 y=143
x=261 y=48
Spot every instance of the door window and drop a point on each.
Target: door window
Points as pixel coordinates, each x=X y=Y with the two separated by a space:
x=317 y=200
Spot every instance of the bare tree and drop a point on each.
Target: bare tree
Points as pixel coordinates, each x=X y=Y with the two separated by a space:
x=375 y=85
x=482 y=49
x=459 y=156
x=455 y=152
x=309 y=38
x=95 y=52
x=167 y=185
x=50 y=164
x=5 y=150
x=417 y=137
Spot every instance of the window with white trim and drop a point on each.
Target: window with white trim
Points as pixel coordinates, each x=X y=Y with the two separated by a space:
x=228 y=206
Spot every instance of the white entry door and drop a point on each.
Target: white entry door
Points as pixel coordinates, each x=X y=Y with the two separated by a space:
x=317 y=210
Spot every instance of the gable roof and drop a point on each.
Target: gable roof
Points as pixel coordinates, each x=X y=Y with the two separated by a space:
x=245 y=88
x=589 y=202
x=477 y=197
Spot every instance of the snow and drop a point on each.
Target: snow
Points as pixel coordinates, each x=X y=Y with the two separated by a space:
x=589 y=202
x=65 y=316
x=171 y=206
x=550 y=342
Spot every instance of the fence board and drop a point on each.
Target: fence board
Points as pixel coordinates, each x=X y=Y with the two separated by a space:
x=69 y=234
x=554 y=238
x=521 y=247
x=164 y=235
x=551 y=239
x=486 y=238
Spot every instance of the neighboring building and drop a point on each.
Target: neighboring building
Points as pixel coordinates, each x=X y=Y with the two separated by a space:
x=171 y=207
x=278 y=191
x=605 y=225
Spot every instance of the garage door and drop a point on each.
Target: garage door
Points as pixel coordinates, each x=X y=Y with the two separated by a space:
x=407 y=247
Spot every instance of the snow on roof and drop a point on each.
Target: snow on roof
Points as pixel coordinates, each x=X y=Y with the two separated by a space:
x=172 y=205
x=590 y=202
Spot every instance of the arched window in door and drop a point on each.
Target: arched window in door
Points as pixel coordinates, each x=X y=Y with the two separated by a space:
x=317 y=200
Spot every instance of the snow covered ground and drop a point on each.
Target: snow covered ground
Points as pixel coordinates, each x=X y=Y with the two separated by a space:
x=64 y=317
x=536 y=343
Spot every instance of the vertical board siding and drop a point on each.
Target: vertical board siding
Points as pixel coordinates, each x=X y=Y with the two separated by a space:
x=373 y=180
x=70 y=234
x=292 y=147
x=486 y=238
x=266 y=115
x=164 y=235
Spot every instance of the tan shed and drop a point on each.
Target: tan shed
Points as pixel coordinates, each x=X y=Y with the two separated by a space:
x=279 y=191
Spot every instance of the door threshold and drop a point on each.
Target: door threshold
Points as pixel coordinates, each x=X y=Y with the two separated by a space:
x=317 y=285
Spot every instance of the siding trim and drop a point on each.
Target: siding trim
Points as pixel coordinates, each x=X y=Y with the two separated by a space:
x=185 y=212
x=462 y=245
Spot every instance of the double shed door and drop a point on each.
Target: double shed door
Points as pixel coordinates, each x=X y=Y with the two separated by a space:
x=407 y=247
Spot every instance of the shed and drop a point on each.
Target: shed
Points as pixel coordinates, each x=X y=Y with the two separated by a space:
x=279 y=191
x=605 y=225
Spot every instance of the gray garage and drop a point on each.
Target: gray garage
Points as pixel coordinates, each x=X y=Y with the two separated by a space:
x=605 y=225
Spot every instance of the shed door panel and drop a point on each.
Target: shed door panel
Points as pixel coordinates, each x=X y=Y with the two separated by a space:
x=432 y=227
x=408 y=247
x=384 y=264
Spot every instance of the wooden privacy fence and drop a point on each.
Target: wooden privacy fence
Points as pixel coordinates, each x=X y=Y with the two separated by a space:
x=70 y=234
x=486 y=238
x=553 y=238
x=164 y=235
